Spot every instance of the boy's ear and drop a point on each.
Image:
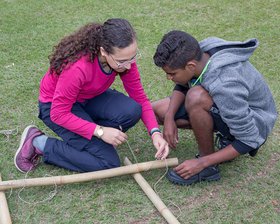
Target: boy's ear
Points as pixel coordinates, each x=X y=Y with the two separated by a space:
x=191 y=65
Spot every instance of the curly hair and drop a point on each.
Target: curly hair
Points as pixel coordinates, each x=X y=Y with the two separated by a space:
x=88 y=39
x=176 y=49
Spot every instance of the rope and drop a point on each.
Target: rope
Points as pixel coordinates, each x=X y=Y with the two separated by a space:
x=9 y=132
x=51 y=194
x=158 y=181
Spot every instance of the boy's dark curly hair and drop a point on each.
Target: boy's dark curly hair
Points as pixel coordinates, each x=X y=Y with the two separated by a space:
x=88 y=39
x=176 y=49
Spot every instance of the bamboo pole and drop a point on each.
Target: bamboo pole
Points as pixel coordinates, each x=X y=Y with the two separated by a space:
x=89 y=176
x=152 y=195
x=5 y=217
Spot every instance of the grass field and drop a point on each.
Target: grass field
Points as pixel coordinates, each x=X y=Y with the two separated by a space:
x=28 y=31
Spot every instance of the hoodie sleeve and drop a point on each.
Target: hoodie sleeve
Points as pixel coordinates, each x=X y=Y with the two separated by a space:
x=231 y=97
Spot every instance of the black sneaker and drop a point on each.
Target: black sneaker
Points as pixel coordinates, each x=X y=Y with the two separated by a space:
x=221 y=142
x=211 y=173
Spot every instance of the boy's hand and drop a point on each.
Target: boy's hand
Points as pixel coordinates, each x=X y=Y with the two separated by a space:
x=189 y=168
x=170 y=132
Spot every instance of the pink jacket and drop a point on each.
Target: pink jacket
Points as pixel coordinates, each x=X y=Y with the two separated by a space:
x=82 y=81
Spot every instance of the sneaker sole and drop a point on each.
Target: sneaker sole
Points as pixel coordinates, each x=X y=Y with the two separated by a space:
x=215 y=177
x=23 y=136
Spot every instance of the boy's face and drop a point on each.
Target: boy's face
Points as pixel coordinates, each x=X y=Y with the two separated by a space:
x=179 y=76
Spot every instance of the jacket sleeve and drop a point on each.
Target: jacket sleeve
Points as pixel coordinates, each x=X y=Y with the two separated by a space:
x=68 y=87
x=132 y=84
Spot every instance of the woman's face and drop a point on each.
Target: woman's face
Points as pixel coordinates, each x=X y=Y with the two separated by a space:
x=122 y=59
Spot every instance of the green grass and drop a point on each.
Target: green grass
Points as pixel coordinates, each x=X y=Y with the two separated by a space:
x=28 y=31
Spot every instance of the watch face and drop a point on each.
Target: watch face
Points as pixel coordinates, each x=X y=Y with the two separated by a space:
x=100 y=132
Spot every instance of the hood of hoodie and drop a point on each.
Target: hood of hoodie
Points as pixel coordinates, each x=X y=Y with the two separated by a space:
x=225 y=60
x=231 y=51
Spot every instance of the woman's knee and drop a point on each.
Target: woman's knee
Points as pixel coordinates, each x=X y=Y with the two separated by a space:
x=101 y=156
x=114 y=163
x=136 y=111
x=102 y=165
x=131 y=113
x=110 y=161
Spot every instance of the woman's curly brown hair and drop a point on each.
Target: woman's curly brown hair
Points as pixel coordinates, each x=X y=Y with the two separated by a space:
x=88 y=39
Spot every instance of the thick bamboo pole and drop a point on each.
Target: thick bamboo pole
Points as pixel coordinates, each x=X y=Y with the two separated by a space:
x=5 y=217
x=152 y=195
x=89 y=176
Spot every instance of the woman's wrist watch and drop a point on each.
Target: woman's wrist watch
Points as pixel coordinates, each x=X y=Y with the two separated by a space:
x=100 y=132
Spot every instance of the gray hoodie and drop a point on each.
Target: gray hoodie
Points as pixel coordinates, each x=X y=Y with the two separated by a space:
x=244 y=100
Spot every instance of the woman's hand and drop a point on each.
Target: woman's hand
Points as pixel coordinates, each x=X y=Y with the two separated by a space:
x=112 y=136
x=161 y=145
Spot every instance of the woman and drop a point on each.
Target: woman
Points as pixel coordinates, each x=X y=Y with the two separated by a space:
x=76 y=103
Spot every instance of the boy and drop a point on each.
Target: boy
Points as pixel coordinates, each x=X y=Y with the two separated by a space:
x=217 y=89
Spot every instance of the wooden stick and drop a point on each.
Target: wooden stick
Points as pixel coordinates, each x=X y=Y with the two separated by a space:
x=152 y=195
x=5 y=217
x=89 y=176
